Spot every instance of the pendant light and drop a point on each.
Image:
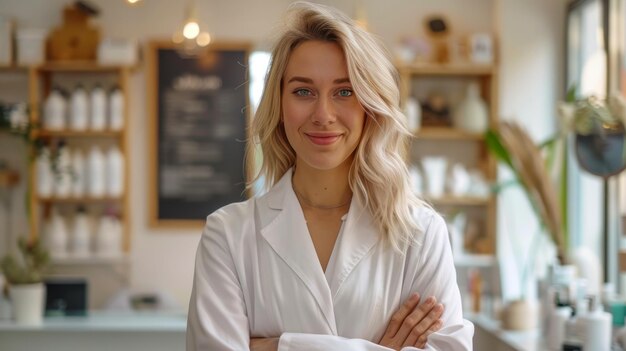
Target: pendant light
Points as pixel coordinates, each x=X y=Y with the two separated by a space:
x=190 y=38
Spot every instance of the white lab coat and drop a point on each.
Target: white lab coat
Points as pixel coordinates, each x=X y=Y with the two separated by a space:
x=257 y=275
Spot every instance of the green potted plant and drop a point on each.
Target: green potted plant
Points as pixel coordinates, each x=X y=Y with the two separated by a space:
x=25 y=279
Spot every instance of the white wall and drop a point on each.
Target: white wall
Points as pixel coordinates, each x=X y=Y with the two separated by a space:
x=530 y=81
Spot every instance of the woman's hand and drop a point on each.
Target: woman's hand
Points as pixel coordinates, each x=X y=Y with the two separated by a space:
x=411 y=324
x=264 y=344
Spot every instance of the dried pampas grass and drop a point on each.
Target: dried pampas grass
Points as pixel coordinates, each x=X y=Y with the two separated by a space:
x=529 y=165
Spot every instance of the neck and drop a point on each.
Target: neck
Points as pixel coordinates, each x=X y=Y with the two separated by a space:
x=322 y=189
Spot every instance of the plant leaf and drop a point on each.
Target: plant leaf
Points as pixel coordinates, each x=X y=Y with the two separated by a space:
x=495 y=145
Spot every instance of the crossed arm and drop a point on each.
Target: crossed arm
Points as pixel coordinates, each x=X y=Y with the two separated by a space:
x=213 y=318
x=409 y=326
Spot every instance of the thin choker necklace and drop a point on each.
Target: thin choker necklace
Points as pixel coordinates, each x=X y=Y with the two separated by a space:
x=308 y=203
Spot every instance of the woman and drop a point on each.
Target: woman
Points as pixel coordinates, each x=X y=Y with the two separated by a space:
x=338 y=253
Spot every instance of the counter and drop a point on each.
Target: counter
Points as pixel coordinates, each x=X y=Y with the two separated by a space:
x=99 y=331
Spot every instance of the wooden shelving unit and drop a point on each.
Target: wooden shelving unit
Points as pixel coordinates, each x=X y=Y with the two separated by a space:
x=451 y=140
x=40 y=78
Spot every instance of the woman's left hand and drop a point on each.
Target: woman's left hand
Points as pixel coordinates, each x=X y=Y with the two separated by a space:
x=264 y=344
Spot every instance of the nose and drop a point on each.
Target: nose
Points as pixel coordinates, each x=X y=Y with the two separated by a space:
x=324 y=112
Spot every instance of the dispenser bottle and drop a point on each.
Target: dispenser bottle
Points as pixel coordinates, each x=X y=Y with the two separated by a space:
x=55 y=109
x=81 y=234
x=79 y=109
x=595 y=327
x=115 y=172
x=98 y=99
x=96 y=172
x=116 y=109
x=56 y=235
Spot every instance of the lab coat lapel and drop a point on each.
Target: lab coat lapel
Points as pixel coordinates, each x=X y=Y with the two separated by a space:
x=288 y=235
x=358 y=238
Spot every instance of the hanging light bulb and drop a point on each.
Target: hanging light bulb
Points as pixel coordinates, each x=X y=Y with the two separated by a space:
x=190 y=38
x=203 y=39
x=191 y=29
x=133 y=2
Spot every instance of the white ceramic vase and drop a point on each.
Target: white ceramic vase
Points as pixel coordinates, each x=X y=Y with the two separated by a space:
x=27 y=302
x=471 y=115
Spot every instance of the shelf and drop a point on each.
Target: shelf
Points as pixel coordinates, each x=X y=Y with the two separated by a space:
x=79 y=66
x=446 y=133
x=92 y=260
x=450 y=69
x=8 y=178
x=472 y=260
x=458 y=201
x=14 y=68
x=79 y=200
x=79 y=134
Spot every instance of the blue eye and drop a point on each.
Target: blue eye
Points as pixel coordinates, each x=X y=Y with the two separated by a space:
x=345 y=92
x=302 y=92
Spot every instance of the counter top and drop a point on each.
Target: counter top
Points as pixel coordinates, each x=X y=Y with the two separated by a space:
x=108 y=321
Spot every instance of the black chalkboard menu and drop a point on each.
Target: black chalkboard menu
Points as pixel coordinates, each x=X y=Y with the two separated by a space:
x=199 y=131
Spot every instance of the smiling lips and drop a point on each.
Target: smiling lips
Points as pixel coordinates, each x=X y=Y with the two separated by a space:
x=323 y=138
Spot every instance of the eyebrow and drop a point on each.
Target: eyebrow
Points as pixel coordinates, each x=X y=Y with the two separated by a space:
x=310 y=81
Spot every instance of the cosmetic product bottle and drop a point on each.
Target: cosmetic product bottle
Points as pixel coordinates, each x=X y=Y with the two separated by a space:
x=55 y=110
x=116 y=109
x=96 y=178
x=97 y=103
x=56 y=235
x=81 y=234
x=557 y=321
x=596 y=327
x=114 y=172
x=79 y=109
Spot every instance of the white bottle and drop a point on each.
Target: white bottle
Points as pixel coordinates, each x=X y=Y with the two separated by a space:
x=55 y=110
x=81 y=234
x=557 y=321
x=595 y=328
x=413 y=112
x=114 y=172
x=79 y=109
x=98 y=102
x=116 y=109
x=79 y=174
x=63 y=173
x=56 y=235
x=471 y=115
x=96 y=179
x=45 y=178
x=109 y=237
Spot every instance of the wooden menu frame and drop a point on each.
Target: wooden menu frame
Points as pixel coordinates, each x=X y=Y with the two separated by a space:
x=197 y=112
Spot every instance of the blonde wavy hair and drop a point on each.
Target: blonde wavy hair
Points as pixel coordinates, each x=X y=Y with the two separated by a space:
x=378 y=175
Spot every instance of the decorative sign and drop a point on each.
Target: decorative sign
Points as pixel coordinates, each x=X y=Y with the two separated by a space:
x=198 y=110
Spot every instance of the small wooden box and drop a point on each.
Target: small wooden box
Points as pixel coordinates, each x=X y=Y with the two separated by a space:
x=75 y=39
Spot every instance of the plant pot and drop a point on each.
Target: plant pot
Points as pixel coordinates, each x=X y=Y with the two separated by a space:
x=520 y=314
x=27 y=302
